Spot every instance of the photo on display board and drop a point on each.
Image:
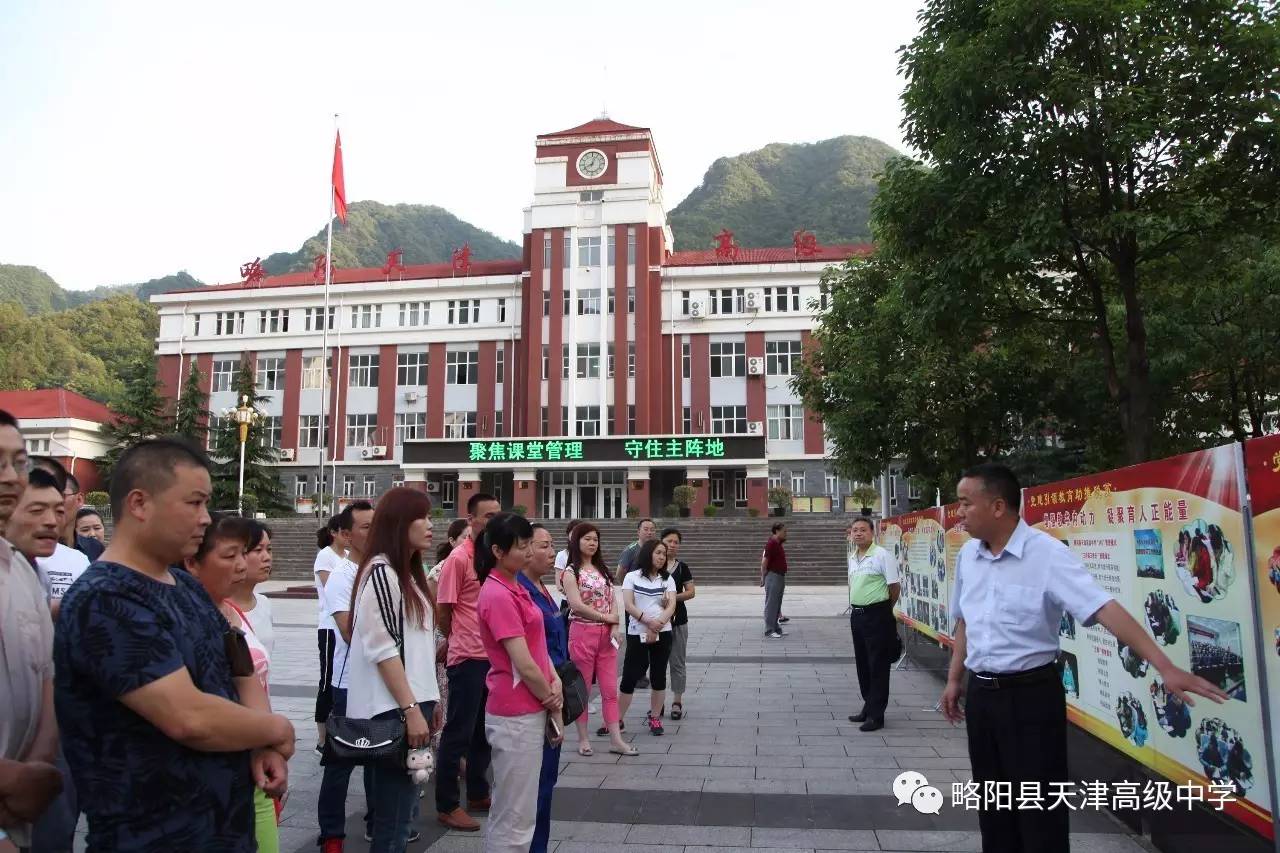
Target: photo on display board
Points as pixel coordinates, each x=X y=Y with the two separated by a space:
x=1133 y=663
x=1172 y=714
x=1148 y=553
x=1278 y=641
x=1223 y=755
x=1162 y=617
x=1273 y=568
x=1217 y=653
x=1206 y=563
x=1067 y=626
x=1069 y=669
x=1133 y=720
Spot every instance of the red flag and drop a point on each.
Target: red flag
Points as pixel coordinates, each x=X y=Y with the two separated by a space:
x=339 y=188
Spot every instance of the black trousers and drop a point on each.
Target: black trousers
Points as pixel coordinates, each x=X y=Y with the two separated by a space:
x=464 y=735
x=873 y=628
x=646 y=656
x=326 y=643
x=1018 y=733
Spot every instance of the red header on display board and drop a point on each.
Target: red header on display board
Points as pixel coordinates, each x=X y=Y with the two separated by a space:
x=908 y=521
x=1262 y=467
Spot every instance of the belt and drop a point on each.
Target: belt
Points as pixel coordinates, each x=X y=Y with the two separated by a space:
x=859 y=608
x=1026 y=678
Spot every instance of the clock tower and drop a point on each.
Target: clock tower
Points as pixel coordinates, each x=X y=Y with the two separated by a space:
x=591 y=352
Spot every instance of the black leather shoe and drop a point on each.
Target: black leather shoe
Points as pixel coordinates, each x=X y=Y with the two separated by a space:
x=871 y=726
x=860 y=717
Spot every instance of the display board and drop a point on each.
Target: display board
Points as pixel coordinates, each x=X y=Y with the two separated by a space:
x=1167 y=540
x=917 y=542
x=1262 y=473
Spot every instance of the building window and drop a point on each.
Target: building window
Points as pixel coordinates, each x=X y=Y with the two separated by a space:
x=781 y=299
x=410 y=426
x=568 y=248
x=497 y=424
x=589 y=252
x=228 y=323
x=463 y=312
x=270 y=374
x=302 y=486
x=611 y=250
x=397 y=482
x=785 y=423
x=797 y=484
x=893 y=487
x=363 y=371
x=832 y=483
x=913 y=491
x=502 y=310
x=782 y=358
x=631 y=420
x=564 y=298
x=588 y=361
x=370 y=486
x=686 y=360
x=631 y=359
x=686 y=420
x=775 y=479
x=588 y=302
x=684 y=302
x=224 y=373
x=728 y=419
x=411 y=369
x=740 y=490
x=728 y=358
x=631 y=300
x=564 y=420
x=631 y=247
x=211 y=434
x=459 y=424
x=500 y=366
x=588 y=421
x=195 y=325
x=546 y=303
x=729 y=300
x=270 y=431
x=309 y=433
x=589 y=196
x=415 y=313
x=716 y=494
x=360 y=429
x=274 y=321
x=546 y=362
x=348 y=485
x=544 y=421
x=312 y=373
x=546 y=252
x=610 y=359
x=314 y=319
x=462 y=368
x=366 y=316
x=564 y=359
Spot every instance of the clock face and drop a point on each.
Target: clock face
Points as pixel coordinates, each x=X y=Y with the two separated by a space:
x=591 y=164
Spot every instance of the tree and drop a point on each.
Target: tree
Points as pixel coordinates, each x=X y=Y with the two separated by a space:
x=139 y=415
x=263 y=490
x=1074 y=147
x=190 y=416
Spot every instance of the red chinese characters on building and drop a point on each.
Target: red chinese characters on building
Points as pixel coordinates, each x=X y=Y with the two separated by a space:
x=726 y=249
x=462 y=260
x=317 y=267
x=252 y=272
x=805 y=244
x=394 y=264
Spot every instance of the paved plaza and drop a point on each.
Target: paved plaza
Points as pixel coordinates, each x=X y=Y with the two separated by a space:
x=765 y=760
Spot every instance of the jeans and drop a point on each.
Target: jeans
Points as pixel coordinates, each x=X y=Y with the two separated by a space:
x=464 y=735
x=517 y=767
x=332 y=808
x=546 y=787
x=393 y=797
x=775 y=584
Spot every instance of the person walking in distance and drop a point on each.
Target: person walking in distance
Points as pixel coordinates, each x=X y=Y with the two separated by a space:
x=468 y=667
x=873 y=591
x=332 y=543
x=685 y=591
x=1012 y=585
x=773 y=577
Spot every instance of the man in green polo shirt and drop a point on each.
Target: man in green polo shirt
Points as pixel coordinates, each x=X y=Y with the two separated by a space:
x=873 y=590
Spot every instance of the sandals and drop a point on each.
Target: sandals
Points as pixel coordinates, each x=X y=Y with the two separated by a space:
x=630 y=751
x=677 y=710
x=585 y=750
x=603 y=731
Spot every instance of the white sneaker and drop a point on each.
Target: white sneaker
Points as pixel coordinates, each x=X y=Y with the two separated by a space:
x=774 y=635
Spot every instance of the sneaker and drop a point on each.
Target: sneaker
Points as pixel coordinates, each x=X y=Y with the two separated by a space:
x=414 y=835
x=655 y=725
x=773 y=635
x=320 y=754
x=332 y=845
x=784 y=619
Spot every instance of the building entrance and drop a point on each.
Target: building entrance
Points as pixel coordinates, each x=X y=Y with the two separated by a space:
x=584 y=494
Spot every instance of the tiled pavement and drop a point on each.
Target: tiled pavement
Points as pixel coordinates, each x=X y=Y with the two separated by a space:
x=764 y=761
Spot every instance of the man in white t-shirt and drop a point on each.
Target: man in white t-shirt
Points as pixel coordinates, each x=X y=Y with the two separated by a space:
x=562 y=558
x=327 y=559
x=34 y=531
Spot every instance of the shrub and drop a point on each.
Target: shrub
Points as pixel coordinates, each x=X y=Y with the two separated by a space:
x=633 y=511
x=671 y=510
x=780 y=496
x=753 y=512
x=437 y=512
x=710 y=511
x=683 y=496
x=520 y=509
x=97 y=500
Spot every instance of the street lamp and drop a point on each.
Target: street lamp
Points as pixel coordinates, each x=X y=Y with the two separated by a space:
x=245 y=416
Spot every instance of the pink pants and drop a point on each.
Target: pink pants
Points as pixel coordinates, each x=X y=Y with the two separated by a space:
x=593 y=654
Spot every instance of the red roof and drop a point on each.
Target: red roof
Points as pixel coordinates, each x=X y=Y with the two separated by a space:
x=53 y=403
x=778 y=255
x=373 y=275
x=597 y=125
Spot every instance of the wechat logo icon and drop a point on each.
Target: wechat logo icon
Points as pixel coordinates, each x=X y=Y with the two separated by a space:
x=912 y=787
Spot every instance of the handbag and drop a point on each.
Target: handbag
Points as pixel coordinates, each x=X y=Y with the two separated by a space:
x=366 y=742
x=575 y=690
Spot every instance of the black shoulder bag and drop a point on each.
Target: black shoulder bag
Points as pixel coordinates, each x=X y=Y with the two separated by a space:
x=356 y=741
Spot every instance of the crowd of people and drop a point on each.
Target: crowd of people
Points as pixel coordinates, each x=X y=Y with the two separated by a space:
x=140 y=669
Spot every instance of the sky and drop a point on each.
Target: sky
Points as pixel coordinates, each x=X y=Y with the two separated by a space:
x=140 y=138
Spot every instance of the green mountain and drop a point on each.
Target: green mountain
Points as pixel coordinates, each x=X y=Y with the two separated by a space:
x=426 y=233
x=764 y=196
x=32 y=288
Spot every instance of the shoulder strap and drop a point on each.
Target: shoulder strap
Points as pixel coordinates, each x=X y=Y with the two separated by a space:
x=398 y=636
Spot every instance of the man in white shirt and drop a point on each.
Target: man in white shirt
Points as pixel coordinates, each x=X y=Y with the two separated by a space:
x=873 y=590
x=327 y=559
x=1012 y=585
x=562 y=558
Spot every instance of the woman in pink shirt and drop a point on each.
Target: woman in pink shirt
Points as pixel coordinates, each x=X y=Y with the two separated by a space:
x=523 y=686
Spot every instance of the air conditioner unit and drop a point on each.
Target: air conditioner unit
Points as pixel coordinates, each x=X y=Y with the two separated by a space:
x=411 y=396
x=755 y=366
x=376 y=452
x=287 y=454
x=755 y=300
x=755 y=427
x=695 y=308
x=433 y=486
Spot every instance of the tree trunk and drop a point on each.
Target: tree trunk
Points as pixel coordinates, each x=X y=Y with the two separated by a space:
x=1138 y=426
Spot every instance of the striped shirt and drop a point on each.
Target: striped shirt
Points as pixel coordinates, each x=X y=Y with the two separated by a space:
x=649 y=594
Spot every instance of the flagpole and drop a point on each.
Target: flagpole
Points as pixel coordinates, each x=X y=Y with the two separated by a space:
x=324 y=345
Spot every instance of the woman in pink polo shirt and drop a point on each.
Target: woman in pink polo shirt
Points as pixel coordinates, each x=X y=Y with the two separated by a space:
x=523 y=686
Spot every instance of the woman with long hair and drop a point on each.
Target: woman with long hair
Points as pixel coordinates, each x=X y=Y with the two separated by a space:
x=523 y=685
x=219 y=564
x=594 y=632
x=254 y=606
x=391 y=661
x=649 y=594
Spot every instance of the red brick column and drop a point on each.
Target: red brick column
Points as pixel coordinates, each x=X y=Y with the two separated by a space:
x=758 y=494
x=638 y=495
